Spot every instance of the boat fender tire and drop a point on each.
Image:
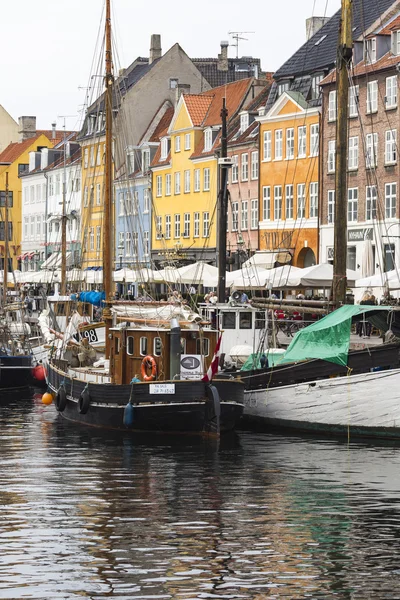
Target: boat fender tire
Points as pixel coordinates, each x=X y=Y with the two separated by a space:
x=148 y=361
x=236 y=295
x=61 y=399
x=221 y=361
x=84 y=402
x=214 y=400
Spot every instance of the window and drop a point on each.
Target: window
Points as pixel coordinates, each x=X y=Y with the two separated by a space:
x=197 y=180
x=389 y=257
x=98 y=161
x=396 y=42
x=177 y=183
x=32 y=193
x=391 y=92
x=372 y=96
x=143 y=346
x=128 y=244
x=266 y=203
x=158 y=227
x=157 y=346
x=352 y=204
x=146 y=200
x=244 y=221
x=371 y=150
x=244 y=122
x=390 y=200
x=203 y=346
x=289 y=143
x=302 y=141
x=235 y=216
x=235 y=169
x=122 y=210
x=313 y=199
x=145 y=160
x=196 y=225
x=278 y=144
x=254 y=214
x=173 y=83
x=352 y=159
x=135 y=236
x=177 y=143
x=254 y=165
x=121 y=243
x=98 y=194
x=98 y=238
x=177 y=230
x=331 y=206
x=245 y=167
x=86 y=158
x=267 y=145
x=164 y=148
x=332 y=106
x=370 y=50
x=353 y=101
x=58 y=187
x=331 y=156
x=26 y=227
x=187 y=141
x=167 y=227
x=390 y=147
x=38 y=227
x=228 y=320
x=187 y=182
x=159 y=186
x=315 y=89
x=371 y=203
x=206 y=224
x=206 y=180
x=3 y=198
x=85 y=196
x=207 y=140
x=51 y=186
x=301 y=200
x=91 y=238
x=245 y=320
x=351 y=257
x=186 y=225
x=168 y=184
x=283 y=87
x=130 y=345
x=92 y=156
x=277 y=202
x=289 y=201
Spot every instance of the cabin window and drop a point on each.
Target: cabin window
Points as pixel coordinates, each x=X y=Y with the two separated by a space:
x=157 y=346
x=203 y=346
x=129 y=345
x=183 y=345
x=228 y=320
x=260 y=320
x=143 y=346
x=117 y=345
x=245 y=320
x=60 y=309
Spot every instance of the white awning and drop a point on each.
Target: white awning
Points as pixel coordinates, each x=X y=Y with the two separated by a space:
x=54 y=261
x=266 y=259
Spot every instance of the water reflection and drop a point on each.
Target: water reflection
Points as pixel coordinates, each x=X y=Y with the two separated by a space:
x=89 y=515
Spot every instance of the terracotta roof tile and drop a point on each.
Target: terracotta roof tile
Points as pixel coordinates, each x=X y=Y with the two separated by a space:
x=14 y=150
x=198 y=106
x=162 y=127
x=393 y=26
x=386 y=62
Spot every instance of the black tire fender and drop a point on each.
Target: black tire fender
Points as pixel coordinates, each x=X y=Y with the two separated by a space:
x=61 y=399
x=84 y=402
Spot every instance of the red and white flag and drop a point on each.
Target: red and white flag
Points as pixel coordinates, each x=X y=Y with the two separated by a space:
x=213 y=368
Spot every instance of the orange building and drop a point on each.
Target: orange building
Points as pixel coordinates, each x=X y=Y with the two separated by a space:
x=289 y=180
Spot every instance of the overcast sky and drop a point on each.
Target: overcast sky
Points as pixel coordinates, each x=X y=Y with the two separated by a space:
x=48 y=45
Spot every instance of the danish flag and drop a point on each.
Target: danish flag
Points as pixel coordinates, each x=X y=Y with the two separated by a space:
x=213 y=368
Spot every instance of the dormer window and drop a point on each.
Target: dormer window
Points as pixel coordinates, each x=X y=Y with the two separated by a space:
x=244 y=122
x=283 y=87
x=370 y=50
x=145 y=160
x=208 y=140
x=131 y=162
x=315 y=90
x=396 y=43
x=164 y=148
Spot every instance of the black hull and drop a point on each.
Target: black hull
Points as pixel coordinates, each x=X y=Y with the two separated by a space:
x=385 y=356
x=15 y=374
x=191 y=410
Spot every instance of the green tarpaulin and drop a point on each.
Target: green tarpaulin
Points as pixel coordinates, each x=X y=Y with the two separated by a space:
x=329 y=338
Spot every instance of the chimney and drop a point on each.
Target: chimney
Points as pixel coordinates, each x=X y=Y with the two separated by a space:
x=223 y=57
x=314 y=24
x=53 y=131
x=181 y=88
x=27 y=128
x=155 y=48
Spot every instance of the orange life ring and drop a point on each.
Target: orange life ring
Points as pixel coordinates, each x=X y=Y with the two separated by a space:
x=148 y=361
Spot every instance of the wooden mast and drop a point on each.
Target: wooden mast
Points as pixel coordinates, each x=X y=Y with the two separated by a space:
x=108 y=205
x=223 y=209
x=5 y=273
x=64 y=228
x=345 y=52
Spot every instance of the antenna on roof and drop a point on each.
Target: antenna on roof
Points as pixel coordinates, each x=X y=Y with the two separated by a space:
x=237 y=35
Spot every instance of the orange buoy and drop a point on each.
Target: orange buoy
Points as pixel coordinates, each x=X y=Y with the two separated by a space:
x=47 y=398
x=39 y=373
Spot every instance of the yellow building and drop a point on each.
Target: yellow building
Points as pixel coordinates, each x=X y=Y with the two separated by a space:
x=14 y=161
x=289 y=177
x=185 y=175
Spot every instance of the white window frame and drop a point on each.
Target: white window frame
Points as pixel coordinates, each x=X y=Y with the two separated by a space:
x=254 y=165
x=290 y=143
x=289 y=200
x=206 y=224
x=371 y=150
x=244 y=217
x=177 y=143
x=167 y=227
x=235 y=169
x=187 y=181
x=277 y=202
x=331 y=156
x=164 y=148
x=244 y=162
x=390 y=147
x=370 y=203
x=267 y=146
x=391 y=92
x=332 y=110
x=254 y=214
x=197 y=185
x=206 y=179
x=278 y=154
x=187 y=141
x=208 y=141
x=390 y=200
x=266 y=203
x=372 y=96
x=352 y=158
x=314 y=139
x=177 y=226
x=159 y=186
x=186 y=225
x=302 y=141
x=196 y=224
x=331 y=206
x=158 y=227
x=235 y=216
x=352 y=205
x=301 y=200
x=177 y=183
x=353 y=101
x=314 y=199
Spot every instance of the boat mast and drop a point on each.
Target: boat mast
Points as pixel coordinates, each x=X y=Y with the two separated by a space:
x=108 y=220
x=345 y=52
x=64 y=229
x=5 y=273
x=223 y=208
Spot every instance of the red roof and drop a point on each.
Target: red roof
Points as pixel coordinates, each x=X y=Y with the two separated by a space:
x=393 y=26
x=162 y=127
x=386 y=62
x=15 y=149
x=198 y=106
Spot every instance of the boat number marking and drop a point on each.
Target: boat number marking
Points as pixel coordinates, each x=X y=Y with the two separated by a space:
x=89 y=334
x=162 y=388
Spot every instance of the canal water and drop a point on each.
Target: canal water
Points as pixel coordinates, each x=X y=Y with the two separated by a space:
x=90 y=515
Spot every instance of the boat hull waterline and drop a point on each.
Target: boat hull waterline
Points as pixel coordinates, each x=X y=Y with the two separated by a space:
x=15 y=373
x=190 y=409
x=365 y=405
